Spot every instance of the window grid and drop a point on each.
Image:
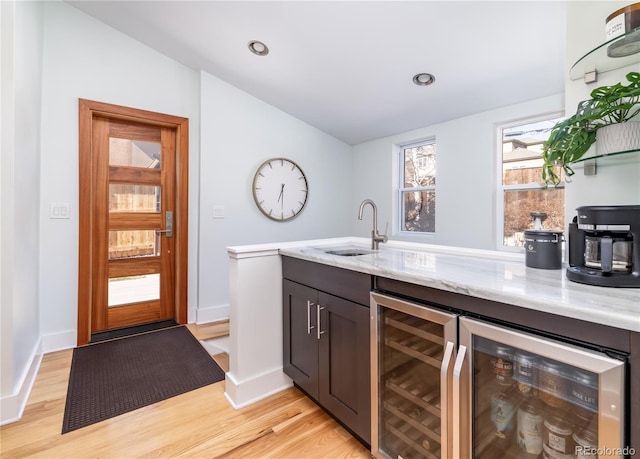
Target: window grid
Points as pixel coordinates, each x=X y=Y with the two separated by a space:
x=417 y=190
x=520 y=188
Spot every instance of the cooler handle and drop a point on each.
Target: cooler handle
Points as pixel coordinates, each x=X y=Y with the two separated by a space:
x=457 y=395
x=445 y=380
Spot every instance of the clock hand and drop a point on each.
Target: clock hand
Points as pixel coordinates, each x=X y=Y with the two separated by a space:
x=280 y=197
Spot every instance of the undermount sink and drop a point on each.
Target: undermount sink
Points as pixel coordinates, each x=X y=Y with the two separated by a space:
x=348 y=252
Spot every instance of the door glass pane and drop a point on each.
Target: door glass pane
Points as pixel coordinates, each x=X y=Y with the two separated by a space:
x=529 y=406
x=419 y=211
x=133 y=289
x=134 y=198
x=410 y=357
x=133 y=244
x=134 y=153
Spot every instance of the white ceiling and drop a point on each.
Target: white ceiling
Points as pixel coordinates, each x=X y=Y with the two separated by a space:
x=347 y=67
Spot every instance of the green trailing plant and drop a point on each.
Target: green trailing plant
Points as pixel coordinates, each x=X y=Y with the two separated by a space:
x=570 y=139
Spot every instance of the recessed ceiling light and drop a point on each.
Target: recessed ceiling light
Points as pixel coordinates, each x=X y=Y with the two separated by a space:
x=423 y=79
x=258 y=48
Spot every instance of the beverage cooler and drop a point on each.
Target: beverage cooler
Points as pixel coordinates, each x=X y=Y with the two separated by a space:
x=449 y=386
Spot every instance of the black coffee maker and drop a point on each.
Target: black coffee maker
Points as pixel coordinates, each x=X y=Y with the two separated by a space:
x=604 y=246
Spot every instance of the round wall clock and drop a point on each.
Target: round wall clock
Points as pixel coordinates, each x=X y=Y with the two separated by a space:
x=280 y=189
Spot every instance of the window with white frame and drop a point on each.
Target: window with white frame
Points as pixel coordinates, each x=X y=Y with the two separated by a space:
x=417 y=190
x=520 y=188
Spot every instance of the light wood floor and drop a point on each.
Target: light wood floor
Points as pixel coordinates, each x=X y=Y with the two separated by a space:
x=198 y=424
x=210 y=330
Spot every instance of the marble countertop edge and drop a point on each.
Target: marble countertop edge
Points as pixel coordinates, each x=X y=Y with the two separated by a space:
x=491 y=275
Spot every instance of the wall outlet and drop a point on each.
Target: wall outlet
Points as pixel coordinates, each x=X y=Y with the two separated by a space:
x=59 y=210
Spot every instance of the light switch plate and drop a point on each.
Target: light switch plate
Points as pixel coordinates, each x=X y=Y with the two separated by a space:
x=218 y=211
x=59 y=210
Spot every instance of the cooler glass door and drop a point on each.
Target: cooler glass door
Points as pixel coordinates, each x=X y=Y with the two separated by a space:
x=412 y=349
x=528 y=397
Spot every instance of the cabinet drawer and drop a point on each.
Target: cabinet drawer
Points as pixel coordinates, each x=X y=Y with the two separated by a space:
x=350 y=285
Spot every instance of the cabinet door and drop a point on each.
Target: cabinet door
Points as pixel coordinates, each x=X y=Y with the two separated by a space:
x=345 y=378
x=300 y=347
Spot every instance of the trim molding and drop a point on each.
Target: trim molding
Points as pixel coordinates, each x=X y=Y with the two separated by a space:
x=212 y=314
x=59 y=341
x=12 y=406
x=244 y=393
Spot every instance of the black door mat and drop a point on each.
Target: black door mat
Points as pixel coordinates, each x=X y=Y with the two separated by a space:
x=128 y=331
x=114 y=377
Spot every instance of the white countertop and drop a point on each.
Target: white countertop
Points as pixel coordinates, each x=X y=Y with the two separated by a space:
x=491 y=275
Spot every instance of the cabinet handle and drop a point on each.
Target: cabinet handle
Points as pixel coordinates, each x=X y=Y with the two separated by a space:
x=457 y=394
x=309 y=326
x=318 y=309
x=444 y=399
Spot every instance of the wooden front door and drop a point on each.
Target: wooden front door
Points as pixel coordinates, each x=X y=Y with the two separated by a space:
x=133 y=218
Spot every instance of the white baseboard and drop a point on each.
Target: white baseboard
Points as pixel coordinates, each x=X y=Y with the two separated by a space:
x=212 y=314
x=59 y=341
x=216 y=345
x=12 y=406
x=241 y=394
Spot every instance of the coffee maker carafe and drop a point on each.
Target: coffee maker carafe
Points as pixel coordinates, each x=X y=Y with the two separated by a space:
x=604 y=246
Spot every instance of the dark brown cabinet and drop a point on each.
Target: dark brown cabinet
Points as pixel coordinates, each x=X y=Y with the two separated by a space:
x=333 y=367
x=326 y=340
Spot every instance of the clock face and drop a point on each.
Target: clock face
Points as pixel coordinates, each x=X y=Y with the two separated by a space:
x=280 y=189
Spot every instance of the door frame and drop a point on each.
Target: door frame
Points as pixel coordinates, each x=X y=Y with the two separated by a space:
x=87 y=110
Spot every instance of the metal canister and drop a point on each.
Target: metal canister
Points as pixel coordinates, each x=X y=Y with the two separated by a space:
x=549 y=453
x=526 y=372
x=584 y=419
x=584 y=389
x=552 y=383
x=557 y=434
x=502 y=414
x=502 y=363
x=530 y=425
x=586 y=444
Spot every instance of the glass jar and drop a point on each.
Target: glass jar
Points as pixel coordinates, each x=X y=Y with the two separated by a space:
x=553 y=385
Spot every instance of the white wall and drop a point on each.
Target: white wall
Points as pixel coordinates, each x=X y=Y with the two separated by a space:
x=466 y=160
x=21 y=99
x=617 y=181
x=466 y=154
x=84 y=58
x=238 y=133
x=7 y=105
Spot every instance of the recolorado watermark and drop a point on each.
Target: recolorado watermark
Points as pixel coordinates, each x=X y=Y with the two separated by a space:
x=592 y=451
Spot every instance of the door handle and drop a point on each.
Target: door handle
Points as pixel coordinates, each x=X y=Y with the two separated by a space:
x=168 y=224
x=457 y=394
